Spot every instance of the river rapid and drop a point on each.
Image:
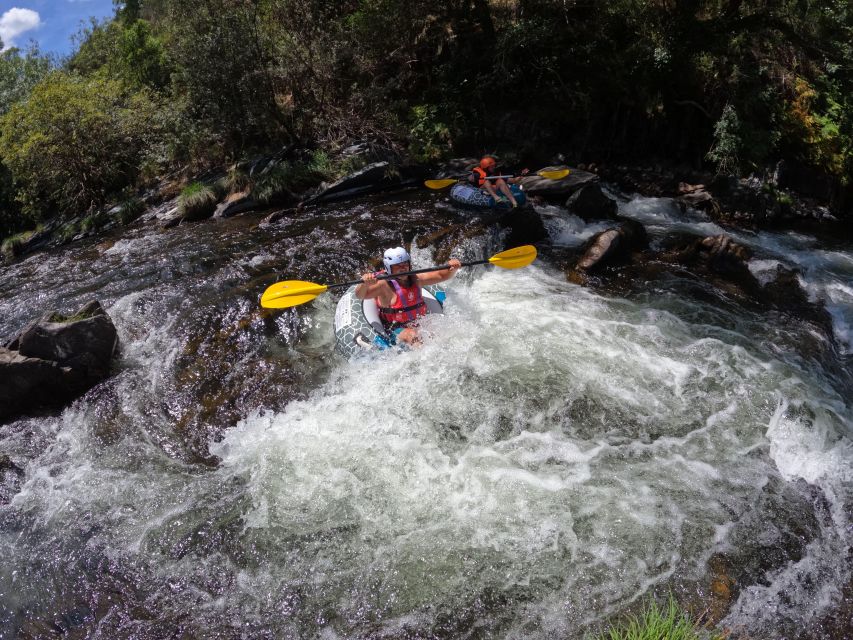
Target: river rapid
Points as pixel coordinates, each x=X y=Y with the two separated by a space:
x=551 y=457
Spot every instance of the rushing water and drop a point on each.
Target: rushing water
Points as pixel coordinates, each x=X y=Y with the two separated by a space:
x=547 y=460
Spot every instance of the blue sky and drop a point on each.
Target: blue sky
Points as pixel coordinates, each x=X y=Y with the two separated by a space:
x=51 y=23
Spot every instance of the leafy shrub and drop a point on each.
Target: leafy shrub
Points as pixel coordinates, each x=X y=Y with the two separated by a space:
x=725 y=152
x=74 y=142
x=280 y=182
x=430 y=137
x=130 y=210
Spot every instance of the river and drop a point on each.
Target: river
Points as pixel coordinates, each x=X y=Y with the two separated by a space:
x=550 y=458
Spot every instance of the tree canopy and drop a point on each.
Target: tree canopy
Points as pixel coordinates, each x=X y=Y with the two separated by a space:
x=729 y=84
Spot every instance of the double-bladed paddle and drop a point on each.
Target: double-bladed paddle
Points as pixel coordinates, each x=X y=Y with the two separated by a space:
x=291 y=293
x=556 y=174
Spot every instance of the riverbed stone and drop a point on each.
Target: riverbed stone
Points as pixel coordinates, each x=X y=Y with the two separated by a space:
x=27 y=383
x=591 y=203
x=612 y=246
x=234 y=204
x=84 y=341
x=537 y=185
x=55 y=359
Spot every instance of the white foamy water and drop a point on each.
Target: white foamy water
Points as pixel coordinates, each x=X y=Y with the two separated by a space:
x=663 y=215
x=549 y=458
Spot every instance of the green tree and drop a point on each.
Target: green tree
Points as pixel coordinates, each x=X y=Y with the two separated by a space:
x=74 y=142
x=20 y=71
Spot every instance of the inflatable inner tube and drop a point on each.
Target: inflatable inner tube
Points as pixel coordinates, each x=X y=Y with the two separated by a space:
x=357 y=325
x=470 y=196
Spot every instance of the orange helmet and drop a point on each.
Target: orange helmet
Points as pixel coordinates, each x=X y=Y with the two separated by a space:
x=488 y=162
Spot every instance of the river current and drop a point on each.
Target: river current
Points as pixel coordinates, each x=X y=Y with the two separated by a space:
x=551 y=457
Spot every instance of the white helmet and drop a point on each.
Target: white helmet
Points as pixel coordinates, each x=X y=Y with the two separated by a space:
x=397 y=255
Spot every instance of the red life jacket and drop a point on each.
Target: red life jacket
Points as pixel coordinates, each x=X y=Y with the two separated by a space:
x=481 y=176
x=407 y=307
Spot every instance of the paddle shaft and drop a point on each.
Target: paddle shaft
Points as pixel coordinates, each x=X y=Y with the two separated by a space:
x=408 y=273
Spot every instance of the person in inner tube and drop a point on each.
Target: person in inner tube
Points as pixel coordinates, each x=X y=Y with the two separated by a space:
x=487 y=167
x=400 y=300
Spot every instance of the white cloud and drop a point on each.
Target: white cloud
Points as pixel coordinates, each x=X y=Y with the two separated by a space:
x=15 y=22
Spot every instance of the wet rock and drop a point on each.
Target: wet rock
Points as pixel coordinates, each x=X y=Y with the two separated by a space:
x=375 y=177
x=234 y=204
x=785 y=292
x=525 y=227
x=721 y=255
x=612 y=246
x=11 y=477
x=275 y=216
x=84 y=341
x=590 y=203
x=772 y=532
x=695 y=196
x=55 y=359
x=537 y=185
x=30 y=383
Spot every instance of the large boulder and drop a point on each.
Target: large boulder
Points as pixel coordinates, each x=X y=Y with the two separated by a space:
x=84 y=341
x=590 y=203
x=717 y=256
x=28 y=383
x=537 y=185
x=695 y=196
x=234 y=204
x=723 y=255
x=613 y=246
x=55 y=358
x=375 y=177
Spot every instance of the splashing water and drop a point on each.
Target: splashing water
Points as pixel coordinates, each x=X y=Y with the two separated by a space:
x=547 y=459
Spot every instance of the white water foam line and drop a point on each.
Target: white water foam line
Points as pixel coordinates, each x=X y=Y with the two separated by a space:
x=477 y=450
x=568 y=451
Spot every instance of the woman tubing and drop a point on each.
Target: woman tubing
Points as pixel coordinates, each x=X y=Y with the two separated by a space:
x=400 y=300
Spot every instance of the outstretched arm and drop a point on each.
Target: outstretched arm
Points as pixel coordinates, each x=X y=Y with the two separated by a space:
x=440 y=275
x=370 y=287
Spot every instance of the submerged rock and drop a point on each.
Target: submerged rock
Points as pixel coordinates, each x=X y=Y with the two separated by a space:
x=11 y=478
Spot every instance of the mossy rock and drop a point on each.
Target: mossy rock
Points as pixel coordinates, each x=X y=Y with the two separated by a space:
x=197 y=202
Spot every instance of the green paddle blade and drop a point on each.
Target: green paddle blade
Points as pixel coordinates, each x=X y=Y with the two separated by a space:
x=290 y=293
x=514 y=258
x=557 y=174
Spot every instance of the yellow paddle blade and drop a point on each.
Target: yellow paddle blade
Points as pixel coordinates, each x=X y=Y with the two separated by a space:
x=290 y=293
x=514 y=258
x=557 y=174
x=440 y=184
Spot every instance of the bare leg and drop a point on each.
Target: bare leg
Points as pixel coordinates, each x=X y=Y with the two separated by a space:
x=506 y=191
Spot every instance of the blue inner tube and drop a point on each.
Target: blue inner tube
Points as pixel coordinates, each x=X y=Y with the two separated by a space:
x=470 y=196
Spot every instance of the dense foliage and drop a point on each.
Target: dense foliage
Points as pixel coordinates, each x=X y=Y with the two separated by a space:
x=188 y=84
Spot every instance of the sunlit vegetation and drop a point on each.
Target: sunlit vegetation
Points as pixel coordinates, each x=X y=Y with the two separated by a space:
x=179 y=87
